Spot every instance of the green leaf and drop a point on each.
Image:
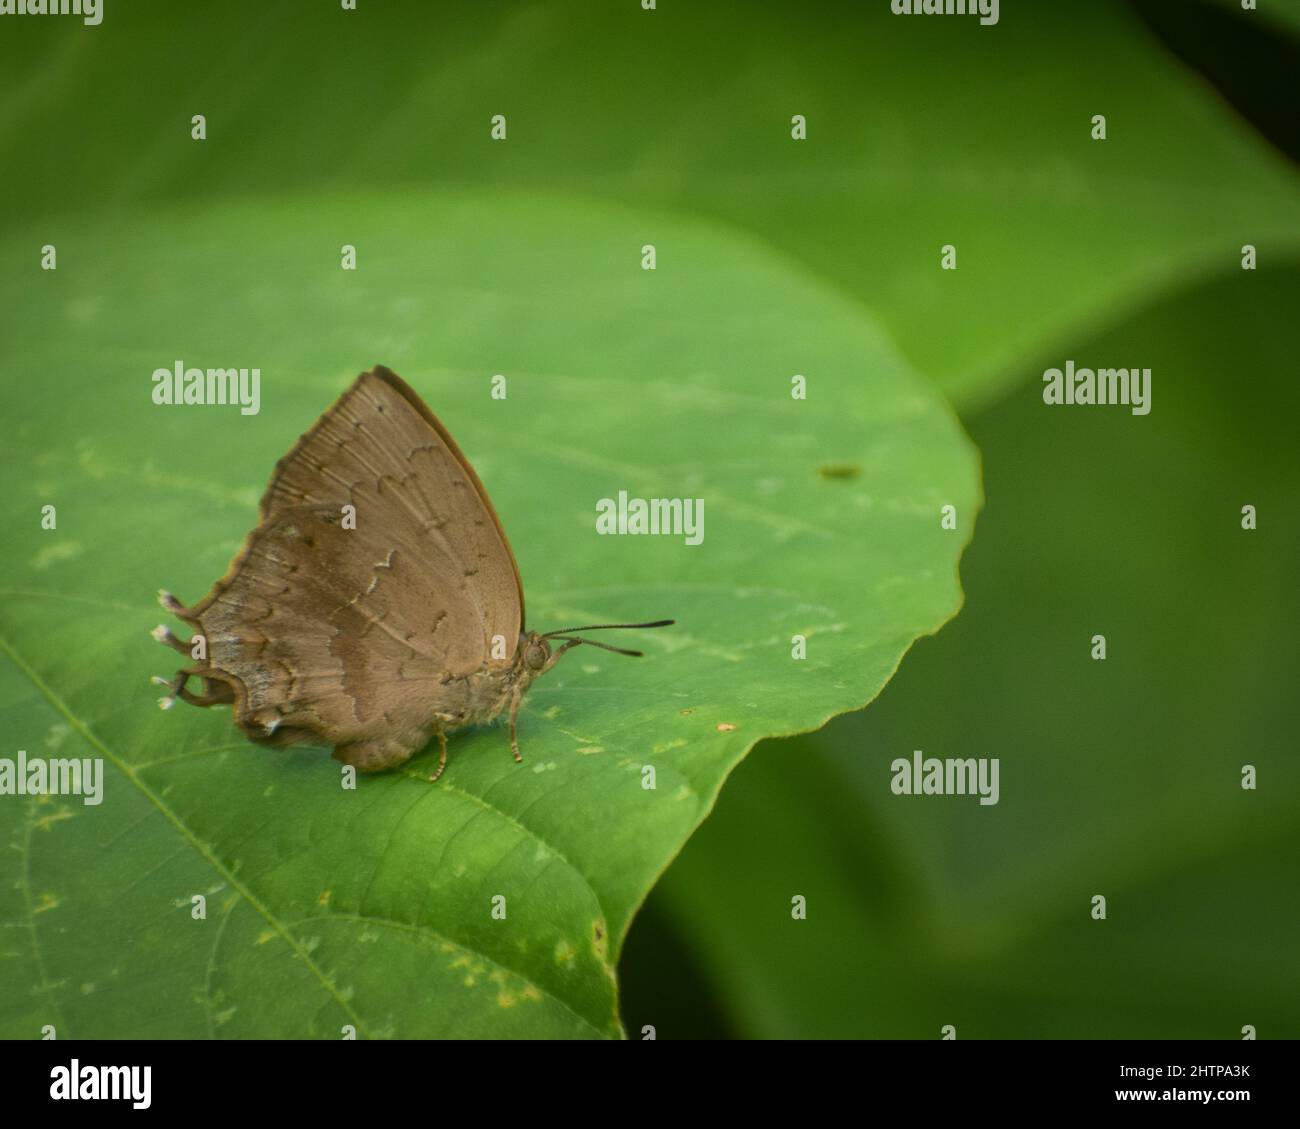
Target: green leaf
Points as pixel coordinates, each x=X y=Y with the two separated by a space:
x=328 y=907
x=922 y=132
x=1283 y=15
x=1119 y=777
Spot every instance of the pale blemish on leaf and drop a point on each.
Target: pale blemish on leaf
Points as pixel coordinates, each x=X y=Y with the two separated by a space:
x=590 y=750
x=84 y=311
x=56 y=551
x=48 y=821
x=505 y=997
x=725 y=727
x=472 y=967
x=58 y=733
x=47 y=902
x=551 y=713
x=565 y=953
x=508 y=994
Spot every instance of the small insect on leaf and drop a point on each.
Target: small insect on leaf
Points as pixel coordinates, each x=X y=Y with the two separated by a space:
x=839 y=470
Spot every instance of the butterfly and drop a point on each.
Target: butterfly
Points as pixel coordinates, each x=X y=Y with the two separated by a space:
x=377 y=603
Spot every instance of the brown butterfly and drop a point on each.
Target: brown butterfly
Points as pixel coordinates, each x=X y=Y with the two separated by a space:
x=377 y=602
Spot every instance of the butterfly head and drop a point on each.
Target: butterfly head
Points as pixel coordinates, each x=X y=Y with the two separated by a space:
x=534 y=652
x=536 y=657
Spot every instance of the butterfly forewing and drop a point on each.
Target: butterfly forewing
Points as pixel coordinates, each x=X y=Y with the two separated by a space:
x=378 y=568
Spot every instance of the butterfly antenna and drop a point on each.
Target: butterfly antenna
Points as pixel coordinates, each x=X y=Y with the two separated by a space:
x=574 y=640
x=608 y=627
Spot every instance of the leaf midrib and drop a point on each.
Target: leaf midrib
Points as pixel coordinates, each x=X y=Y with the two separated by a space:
x=178 y=824
x=227 y=876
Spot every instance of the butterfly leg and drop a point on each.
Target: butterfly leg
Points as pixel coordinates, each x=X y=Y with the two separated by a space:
x=555 y=655
x=442 y=754
x=515 y=699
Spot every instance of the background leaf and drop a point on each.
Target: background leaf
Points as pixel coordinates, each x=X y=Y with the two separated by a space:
x=371 y=907
x=1283 y=14
x=922 y=132
x=1120 y=777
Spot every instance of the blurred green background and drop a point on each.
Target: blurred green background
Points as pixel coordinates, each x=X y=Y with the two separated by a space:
x=1119 y=777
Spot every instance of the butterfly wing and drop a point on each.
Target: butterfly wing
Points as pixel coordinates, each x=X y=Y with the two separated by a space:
x=380 y=435
x=378 y=569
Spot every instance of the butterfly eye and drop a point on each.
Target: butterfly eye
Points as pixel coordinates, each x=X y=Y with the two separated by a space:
x=536 y=655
